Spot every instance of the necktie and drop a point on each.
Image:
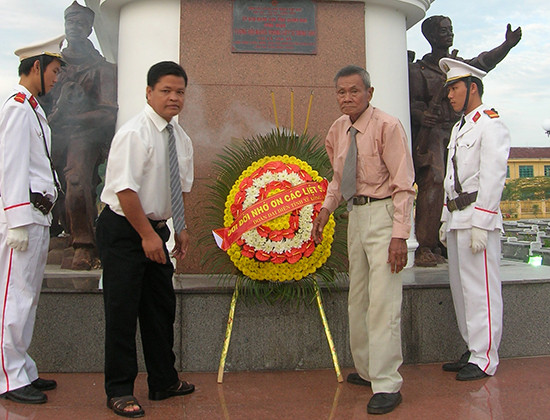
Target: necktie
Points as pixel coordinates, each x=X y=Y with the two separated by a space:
x=178 y=212
x=348 y=186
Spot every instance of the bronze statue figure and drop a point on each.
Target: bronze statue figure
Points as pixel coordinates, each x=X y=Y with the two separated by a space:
x=82 y=116
x=432 y=118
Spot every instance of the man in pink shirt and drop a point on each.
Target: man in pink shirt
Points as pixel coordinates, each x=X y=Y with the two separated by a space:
x=380 y=194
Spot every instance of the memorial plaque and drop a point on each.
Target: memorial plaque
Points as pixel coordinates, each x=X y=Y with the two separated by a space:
x=270 y=26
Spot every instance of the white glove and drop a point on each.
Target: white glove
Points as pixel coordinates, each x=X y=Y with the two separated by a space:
x=443 y=233
x=18 y=238
x=479 y=240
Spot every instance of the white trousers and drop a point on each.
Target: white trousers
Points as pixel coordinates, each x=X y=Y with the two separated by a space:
x=375 y=294
x=477 y=295
x=21 y=275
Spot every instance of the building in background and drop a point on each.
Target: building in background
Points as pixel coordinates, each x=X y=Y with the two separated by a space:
x=528 y=162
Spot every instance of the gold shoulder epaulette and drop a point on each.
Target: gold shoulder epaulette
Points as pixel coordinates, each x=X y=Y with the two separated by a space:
x=492 y=113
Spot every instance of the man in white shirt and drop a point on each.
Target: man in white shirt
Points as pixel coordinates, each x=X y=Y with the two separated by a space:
x=28 y=191
x=472 y=222
x=131 y=237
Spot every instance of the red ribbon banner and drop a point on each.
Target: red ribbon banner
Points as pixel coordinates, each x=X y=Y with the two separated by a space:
x=270 y=208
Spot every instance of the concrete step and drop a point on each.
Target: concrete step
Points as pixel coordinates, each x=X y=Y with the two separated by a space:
x=69 y=331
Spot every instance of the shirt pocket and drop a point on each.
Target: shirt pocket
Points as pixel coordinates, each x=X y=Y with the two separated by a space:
x=371 y=169
x=468 y=158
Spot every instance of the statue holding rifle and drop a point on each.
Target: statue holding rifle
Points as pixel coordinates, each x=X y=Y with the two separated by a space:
x=432 y=118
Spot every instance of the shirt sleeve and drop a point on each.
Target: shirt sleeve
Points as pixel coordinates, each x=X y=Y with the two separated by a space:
x=127 y=160
x=398 y=160
x=494 y=150
x=16 y=132
x=186 y=165
x=333 y=196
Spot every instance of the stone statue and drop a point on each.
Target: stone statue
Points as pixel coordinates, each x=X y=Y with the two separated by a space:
x=432 y=118
x=82 y=115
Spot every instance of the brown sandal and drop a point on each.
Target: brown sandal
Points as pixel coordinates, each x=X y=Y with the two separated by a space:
x=120 y=404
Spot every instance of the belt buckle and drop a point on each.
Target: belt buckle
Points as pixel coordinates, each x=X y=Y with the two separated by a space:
x=360 y=200
x=451 y=205
x=161 y=224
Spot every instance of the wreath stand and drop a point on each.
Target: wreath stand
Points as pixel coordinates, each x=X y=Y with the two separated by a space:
x=230 y=327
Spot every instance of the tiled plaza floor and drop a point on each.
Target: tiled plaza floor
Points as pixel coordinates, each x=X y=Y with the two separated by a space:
x=519 y=390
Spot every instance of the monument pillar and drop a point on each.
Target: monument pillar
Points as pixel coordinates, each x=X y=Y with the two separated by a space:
x=137 y=34
x=386 y=24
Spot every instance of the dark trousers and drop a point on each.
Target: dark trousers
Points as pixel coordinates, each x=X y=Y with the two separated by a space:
x=135 y=287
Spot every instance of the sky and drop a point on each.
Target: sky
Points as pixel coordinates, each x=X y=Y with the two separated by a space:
x=518 y=88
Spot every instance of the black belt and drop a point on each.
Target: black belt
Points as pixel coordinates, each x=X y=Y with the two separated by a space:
x=157 y=224
x=462 y=201
x=361 y=200
x=41 y=202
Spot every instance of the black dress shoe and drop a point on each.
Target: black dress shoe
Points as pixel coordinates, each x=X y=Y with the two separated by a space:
x=470 y=372
x=459 y=364
x=179 y=388
x=27 y=394
x=44 y=384
x=383 y=402
x=354 y=378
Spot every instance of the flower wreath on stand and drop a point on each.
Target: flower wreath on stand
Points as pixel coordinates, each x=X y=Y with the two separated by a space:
x=266 y=194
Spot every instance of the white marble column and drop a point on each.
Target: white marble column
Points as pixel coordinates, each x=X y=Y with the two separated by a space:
x=136 y=34
x=386 y=24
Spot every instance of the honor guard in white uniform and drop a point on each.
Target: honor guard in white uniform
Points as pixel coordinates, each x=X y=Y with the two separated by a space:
x=471 y=219
x=28 y=190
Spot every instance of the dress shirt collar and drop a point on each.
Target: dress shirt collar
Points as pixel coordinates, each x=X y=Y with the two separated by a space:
x=363 y=121
x=159 y=122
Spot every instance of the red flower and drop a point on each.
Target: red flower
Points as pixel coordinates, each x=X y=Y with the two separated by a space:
x=263 y=231
x=304 y=175
x=308 y=248
x=274 y=166
x=276 y=235
x=246 y=183
x=288 y=233
x=278 y=258
x=294 y=220
x=247 y=251
x=294 y=255
x=262 y=255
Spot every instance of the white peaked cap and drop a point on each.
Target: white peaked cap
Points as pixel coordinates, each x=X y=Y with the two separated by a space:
x=457 y=70
x=51 y=47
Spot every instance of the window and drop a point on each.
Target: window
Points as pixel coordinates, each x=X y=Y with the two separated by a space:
x=546 y=170
x=525 y=171
x=508 y=171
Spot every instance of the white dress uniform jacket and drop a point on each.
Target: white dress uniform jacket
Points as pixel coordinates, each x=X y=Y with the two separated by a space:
x=481 y=146
x=24 y=164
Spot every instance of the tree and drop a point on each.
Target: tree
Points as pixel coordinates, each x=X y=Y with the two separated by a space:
x=535 y=188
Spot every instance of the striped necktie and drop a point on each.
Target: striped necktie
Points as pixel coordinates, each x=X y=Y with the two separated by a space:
x=348 y=185
x=178 y=212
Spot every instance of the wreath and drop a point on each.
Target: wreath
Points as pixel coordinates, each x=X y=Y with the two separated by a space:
x=266 y=202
